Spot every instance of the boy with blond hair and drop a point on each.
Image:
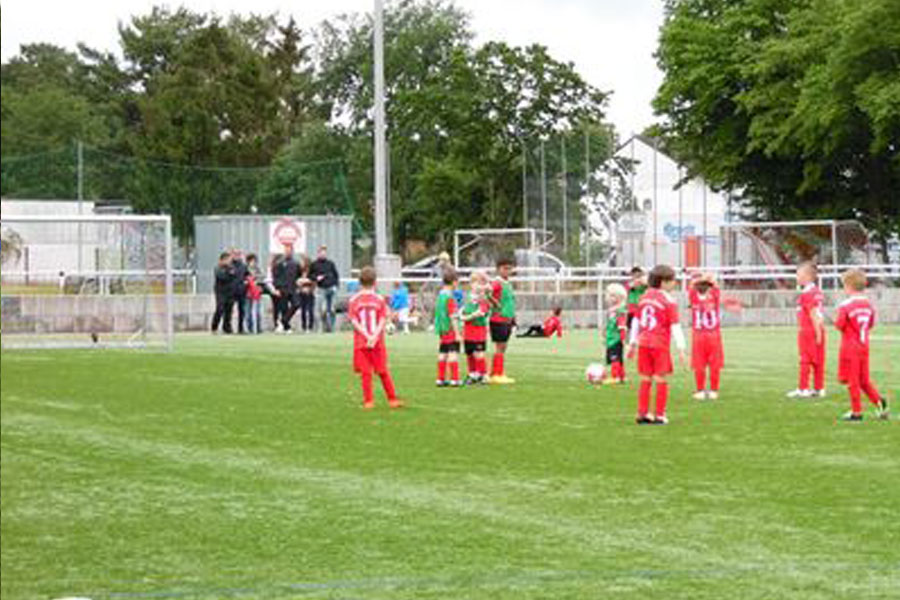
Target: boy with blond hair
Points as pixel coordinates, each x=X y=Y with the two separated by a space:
x=855 y=320
x=445 y=325
x=474 y=315
x=616 y=332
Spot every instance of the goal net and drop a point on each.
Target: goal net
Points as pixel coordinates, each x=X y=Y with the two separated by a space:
x=86 y=281
x=481 y=248
x=790 y=243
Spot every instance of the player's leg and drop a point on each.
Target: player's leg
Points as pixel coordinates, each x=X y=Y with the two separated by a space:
x=700 y=382
x=453 y=362
x=868 y=387
x=662 y=398
x=645 y=369
x=481 y=364
x=498 y=366
x=849 y=374
x=442 y=369
x=819 y=370
x=715 y=372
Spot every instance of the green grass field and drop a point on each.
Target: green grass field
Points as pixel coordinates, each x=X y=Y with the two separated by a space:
x=244 y=467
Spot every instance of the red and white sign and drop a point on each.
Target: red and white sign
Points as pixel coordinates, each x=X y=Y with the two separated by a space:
x=287 y=232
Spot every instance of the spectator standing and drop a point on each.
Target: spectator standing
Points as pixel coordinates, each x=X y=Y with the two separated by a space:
x=285 y=274
x=325 y=275
x=400 y=304
x=307 y=297
x=224 y=289
x=240 y=287
x=269 y=288
x=254 y=295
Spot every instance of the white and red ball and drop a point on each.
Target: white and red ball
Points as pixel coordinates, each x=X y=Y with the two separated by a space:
x=595 y=373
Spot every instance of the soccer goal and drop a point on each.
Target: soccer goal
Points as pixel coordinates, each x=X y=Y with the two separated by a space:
x=480 y=248
x=78 y=281
x=826 y=242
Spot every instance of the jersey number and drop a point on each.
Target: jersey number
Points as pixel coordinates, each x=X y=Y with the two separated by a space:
x=863 y=322
x=705 y=319
x=368 y=317
x=648 y=318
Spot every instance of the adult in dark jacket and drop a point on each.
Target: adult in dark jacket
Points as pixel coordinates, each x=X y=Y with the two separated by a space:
x=285 y=274
x=224 y=288
x=240 y=287
x=325 y=275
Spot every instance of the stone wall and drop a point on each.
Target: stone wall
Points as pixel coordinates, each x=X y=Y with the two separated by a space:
x=122 y=313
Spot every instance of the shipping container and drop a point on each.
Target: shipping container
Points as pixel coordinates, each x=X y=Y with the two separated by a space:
x=263 y=236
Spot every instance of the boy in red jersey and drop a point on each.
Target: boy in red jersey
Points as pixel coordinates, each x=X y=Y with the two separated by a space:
x=368 y=314
x=652 y=330
x=446 y=327
x=551 y=325
x=503 y=317
x=474 y=316
x=706 y=338
x=855 y=319
x=811 y=335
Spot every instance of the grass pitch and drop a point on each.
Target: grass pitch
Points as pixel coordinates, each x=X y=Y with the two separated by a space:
x=244 y=467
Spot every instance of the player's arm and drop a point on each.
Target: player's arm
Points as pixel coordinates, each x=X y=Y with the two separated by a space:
x=677 y=332
x=818 y=321
x=840 y=323
x=633 y=336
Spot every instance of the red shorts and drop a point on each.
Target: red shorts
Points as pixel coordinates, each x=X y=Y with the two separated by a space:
x=853 y=367
x=366 y=360
x=706 y=351
x=654 y=361
x=810 y=352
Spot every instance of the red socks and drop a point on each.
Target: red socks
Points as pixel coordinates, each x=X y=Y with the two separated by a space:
x=471 y=363
x=700 y=379
x=368 y=396
x=388 y=384
x=442 y=370
x=714 y=379
x=662 y=398
x=803 y=383
x=498 y=364
x=617 y=371
x=644 y=398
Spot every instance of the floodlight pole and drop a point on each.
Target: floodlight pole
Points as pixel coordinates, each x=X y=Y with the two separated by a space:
x=380 y=152
x=80 y=195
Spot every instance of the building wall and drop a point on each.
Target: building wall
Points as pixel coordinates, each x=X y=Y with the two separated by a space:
x=692 y=210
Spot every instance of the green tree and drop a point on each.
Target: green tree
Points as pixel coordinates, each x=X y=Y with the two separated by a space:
x=790 y=104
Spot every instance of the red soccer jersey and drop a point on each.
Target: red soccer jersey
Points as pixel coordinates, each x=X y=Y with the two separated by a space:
x=855 y=318
x=705 y=312
x=477 y=333
x=656 y=314
x=809 y=301
x=367 y=308
x=552 y=325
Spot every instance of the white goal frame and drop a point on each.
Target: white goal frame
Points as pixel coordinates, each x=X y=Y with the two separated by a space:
x=168 y=329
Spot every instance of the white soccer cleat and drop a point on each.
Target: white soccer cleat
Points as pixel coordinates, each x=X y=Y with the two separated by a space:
x=699 y=395
x=818 y=393
x=713 y=395
x=799 y=394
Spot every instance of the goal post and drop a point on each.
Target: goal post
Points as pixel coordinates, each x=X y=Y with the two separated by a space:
x=86 y=281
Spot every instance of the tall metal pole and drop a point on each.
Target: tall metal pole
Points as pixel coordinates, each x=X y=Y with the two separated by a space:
x=543 y=192
x=703 y=245
x=565 y=195
x=80 y=194
x=655 y=203
x=587 y=193
x=381 y=247
x=524 y=186
x=680 y=221
x=633 y=236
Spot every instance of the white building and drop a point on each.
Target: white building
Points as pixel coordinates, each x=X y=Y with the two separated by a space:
x=671 y=224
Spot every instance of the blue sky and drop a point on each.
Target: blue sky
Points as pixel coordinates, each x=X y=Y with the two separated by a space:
x=611 y=42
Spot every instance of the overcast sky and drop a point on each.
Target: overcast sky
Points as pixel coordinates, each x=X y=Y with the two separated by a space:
x=611 y=42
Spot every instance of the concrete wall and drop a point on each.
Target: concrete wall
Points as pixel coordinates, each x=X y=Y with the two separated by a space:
x=71 y=313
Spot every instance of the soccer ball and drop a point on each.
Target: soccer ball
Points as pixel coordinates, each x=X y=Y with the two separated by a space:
x=390 y=328
x=595 y=373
